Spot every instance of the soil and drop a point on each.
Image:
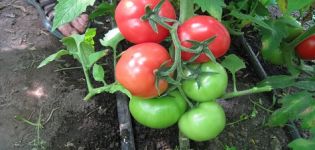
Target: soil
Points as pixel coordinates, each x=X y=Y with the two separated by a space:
x=76 y=124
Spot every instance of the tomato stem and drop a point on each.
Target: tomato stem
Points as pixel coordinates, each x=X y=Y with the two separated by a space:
x=181 y=91
x=247 y=92
x=186 y=10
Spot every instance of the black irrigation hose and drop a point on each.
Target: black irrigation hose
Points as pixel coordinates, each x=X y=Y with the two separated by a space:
x=125 y=125
x=292 y=129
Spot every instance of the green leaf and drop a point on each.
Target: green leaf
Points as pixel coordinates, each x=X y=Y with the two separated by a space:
x=294 y=5
x=80 y=47
x=292 y=107
x=68 y=10
x=103 y=9
x=53 y=57
x=94 y=57
x=256 y=20
x=112 y=38
x=302 y=144
x=72 y=43
x=262 y=10
x=98 y=73
x=233 y=63
x=308 y=117
x=279 y=81
x=213 y=7
x=89 y=35
x=306 y=85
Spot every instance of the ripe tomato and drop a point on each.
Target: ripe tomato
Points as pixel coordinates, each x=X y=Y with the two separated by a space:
x=210 y=84
x=136 y=68
x=200 y=28
x=306 y=49
x=128 y=15
x=203 y=122
x=159 y=112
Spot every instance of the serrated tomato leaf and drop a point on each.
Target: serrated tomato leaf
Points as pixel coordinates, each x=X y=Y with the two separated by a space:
x=306 y=85
x=103 y=9
x=278 y=81
x=233 y=63
x=68 y=10
x=89 y=35
x=254 y=19
x=213 y=7
x=292 y=107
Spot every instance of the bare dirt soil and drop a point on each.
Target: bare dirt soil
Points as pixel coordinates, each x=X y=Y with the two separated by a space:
x=76 y=124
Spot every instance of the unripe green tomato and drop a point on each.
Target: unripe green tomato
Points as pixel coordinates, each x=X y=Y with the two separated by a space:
x=274 y=56
x=203 y=122
x=159 y=112
x=210 y=84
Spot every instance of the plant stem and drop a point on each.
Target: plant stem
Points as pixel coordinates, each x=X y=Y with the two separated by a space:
x=235 y=122
x=96 y=91
x=262 y=107
x=181 y=91
x=186 y=10
x=38 y=127
x=234 y=82
x=85 y=70
x=247 y=92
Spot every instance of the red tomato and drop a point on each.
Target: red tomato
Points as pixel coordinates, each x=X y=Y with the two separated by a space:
x=136 y=69
x=306 y=49
x=128 y=15
x=200 y=28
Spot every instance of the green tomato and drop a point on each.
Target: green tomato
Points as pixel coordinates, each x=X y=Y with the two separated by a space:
x=209 y=83
x=274 y=56
x=203 y=122
x=159 y=112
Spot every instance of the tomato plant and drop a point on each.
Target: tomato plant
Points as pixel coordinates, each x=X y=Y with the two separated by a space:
x=136 y=69
x=159 y=112
x=306 y=49
x=204 y=122
x=143 y=72
x=129 y=13
x=201 y=28
x=210 y=81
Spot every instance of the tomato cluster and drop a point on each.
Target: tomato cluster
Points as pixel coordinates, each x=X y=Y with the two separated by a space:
x=204 y=81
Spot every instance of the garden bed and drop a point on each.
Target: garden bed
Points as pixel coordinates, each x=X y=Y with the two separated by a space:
x=76 y=124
